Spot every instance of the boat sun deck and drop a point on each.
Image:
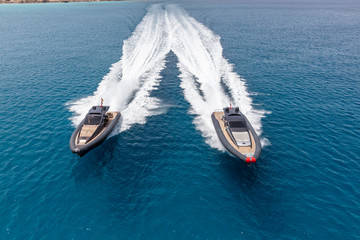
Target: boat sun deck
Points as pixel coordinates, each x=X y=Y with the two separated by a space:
x=87 y=131
x=244 y=139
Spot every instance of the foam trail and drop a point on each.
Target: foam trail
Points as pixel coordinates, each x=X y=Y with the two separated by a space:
x=207 y=78
x=205 y=72
x=128 y=85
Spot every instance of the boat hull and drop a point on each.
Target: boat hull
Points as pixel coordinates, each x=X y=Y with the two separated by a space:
x=230 y=146
x=81 y=150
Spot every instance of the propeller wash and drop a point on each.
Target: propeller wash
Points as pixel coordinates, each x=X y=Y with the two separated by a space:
x=205 y=73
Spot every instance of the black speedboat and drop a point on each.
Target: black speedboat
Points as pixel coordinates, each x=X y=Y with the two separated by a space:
x=93 y=129
x=236 y=134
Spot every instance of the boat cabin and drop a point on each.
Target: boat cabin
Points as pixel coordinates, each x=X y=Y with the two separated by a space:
x=94 y=123
x=237 y=127
x=96 y=115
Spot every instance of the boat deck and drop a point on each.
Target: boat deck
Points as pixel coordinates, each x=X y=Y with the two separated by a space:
x=87 y=131
x=242 y=149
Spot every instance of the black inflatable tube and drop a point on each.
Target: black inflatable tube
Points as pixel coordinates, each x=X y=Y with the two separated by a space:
x=81 y=151
x=228 y=146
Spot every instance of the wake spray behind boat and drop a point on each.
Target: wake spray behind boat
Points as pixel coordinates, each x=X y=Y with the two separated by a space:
x=236 y=134
x=93 y=129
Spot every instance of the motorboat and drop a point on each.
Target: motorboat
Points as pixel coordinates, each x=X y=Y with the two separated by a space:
x=236 y=134
x=93 y=129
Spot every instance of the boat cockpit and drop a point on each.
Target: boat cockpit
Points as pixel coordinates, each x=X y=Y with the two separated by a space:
x=236 y=126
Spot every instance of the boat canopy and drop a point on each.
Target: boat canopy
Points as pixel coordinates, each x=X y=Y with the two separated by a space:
x=96 y=115
x=235 y=119
x=99 y=110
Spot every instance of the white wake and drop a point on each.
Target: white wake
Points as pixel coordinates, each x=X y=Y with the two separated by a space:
x=207 y=78
x=128 y=85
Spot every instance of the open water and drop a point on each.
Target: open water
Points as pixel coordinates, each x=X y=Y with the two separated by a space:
x=293 y=68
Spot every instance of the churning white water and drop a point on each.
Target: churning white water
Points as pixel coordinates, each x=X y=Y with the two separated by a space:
x=128 y=85
x=207 y=78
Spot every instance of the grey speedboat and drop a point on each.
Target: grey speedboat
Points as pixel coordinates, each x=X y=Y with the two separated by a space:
x=236 y=134
x=93 y=129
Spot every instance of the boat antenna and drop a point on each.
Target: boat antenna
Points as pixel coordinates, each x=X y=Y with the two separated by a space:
x=101 y=102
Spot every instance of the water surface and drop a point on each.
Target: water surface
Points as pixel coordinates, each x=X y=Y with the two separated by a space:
x=164 y=175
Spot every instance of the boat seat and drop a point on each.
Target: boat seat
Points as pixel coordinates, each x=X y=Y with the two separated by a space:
x=88 y=130
x=242 y=138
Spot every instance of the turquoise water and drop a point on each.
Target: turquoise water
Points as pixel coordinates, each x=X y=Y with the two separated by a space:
x=292 y=67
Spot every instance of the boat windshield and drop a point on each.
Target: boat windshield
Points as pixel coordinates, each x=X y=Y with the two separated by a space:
x=237 y=124
x=92 y=120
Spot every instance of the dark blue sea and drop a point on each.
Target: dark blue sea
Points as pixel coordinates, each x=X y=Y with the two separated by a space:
x=292 y=67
